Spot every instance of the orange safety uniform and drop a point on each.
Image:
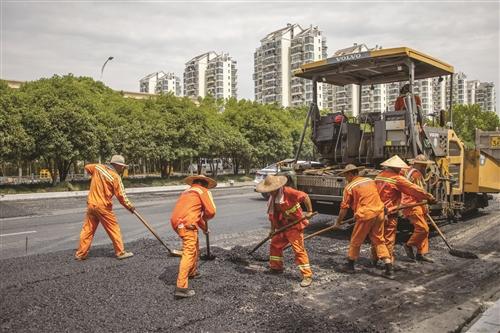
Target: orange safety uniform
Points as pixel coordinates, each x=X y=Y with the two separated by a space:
x=283 y=209
x=362 y=197
x=416 y=215
x=399 y=105
x=105 y=182
x=390 y=186
x=194 y=207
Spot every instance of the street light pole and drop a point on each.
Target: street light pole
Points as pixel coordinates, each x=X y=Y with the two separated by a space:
x=102 y=68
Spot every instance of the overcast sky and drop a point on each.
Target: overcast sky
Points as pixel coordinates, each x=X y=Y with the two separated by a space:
x=42 y=38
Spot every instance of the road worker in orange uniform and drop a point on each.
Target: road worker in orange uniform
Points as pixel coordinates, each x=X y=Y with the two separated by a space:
x=391 y=185
x=420 y=236
x=193 y=209
x=284 y=208
x=361 y=195
x=105 y=182
x=399 y=105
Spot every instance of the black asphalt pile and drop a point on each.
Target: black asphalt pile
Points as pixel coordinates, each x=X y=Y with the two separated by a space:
x=54 y=293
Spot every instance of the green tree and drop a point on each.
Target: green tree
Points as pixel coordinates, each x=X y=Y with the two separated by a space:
x=466 y=118
x=16 y=144
x=60 y=117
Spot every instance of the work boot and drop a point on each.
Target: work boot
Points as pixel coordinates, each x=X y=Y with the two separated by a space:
x=275 y=271
x=389 y=271
x=348 y=267
x=183 y=293
x=422 y=257
x=124 y=255
x=306 y=281
x=409 y=251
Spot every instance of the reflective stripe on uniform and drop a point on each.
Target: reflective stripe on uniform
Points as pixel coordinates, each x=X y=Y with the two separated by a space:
x=304 y=266
x=104 y=172
x=212 y=200
x=292 y=210
x=386 y=180
x=357 y=182
x=195 y=189
x=276 y=258
x=122 y=189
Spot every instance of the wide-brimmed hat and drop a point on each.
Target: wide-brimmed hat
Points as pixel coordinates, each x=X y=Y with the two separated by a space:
x=395 y=162
x=350 y=167
x=420 y=159
x=118 y=159
x=271 y=183
x=211 y=183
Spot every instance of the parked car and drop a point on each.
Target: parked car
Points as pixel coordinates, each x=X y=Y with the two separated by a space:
x=273 y=169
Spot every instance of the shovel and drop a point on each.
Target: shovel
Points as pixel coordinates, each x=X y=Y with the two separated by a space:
x=453 y=252
x=280 y=230
x=172 y=253
x=207 y=256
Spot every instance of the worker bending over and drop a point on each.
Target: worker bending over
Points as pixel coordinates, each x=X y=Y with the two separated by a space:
x=105 y=182
x=362 y=197
x=391 y=185
x=284 y=208
x=193 y=209
x=416 y=215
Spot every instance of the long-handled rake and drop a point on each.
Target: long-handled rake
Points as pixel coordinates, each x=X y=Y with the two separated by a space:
x=173 y=253
x=453 y=252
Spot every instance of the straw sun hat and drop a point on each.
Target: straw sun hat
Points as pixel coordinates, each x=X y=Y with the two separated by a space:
x=271 y=183
x=211 y=183
x=350 y=167
x=118 y=159
x=420 y=159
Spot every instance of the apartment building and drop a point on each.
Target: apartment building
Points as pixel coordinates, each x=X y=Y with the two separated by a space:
x=221 y=77
x=307 y=46
x=486 y=97
x=281 y=52
x=161 y=82
x=210 y=74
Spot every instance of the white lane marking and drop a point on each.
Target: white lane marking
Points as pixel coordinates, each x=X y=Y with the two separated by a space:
x=19 y=233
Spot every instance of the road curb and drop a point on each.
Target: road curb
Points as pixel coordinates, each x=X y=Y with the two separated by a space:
x=132 y=190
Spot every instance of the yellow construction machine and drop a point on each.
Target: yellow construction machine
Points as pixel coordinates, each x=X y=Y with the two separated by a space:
x=461 y=179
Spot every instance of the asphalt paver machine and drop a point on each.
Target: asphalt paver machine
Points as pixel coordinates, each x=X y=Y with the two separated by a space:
x=372 y=137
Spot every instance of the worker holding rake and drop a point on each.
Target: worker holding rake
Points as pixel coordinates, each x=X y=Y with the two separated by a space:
x=362 y=197
x=284 y=208
x=193 y=209
x=105 y=182
x=420 y=236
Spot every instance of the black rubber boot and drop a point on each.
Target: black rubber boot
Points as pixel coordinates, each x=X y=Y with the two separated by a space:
x=183 y=293
x=422 y=257
x=389 y=271
x=348 y=267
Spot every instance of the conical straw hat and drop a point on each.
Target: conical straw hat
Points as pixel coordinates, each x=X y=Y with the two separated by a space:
x=211 y=183
x=395 y=162
x=271 y=183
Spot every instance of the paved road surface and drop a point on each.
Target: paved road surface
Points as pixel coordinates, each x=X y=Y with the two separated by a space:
x=58 y=228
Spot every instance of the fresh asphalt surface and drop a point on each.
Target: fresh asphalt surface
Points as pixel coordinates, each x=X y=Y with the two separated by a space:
x=51 y=292
x=55 y=224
